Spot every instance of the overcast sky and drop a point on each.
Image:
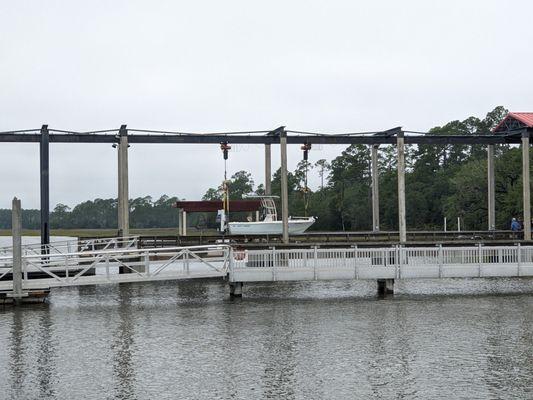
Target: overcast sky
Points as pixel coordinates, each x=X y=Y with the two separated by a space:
x=331 y=66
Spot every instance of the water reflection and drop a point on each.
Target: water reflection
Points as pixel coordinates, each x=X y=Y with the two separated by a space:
x=46 y=354
x=17 y=366
x=302 y=341
x=278 y=377
x=122 y=347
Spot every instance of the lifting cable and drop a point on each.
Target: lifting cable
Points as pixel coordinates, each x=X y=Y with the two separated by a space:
x=225 y=147
x=306 y=147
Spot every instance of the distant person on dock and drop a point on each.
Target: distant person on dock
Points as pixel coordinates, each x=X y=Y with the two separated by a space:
x=515 y=225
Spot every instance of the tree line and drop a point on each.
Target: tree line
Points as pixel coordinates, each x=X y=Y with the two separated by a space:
x=441 y=181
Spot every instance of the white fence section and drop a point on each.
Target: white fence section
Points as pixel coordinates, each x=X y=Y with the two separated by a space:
x=381 y=263
x=90 y=267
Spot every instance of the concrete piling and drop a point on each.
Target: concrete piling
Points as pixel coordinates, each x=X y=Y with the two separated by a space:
x=284 y=188
x=123 y=189
x=375 y=189
x=268 y=169
x=401 y=187
x=526 y=186
x=385 y=287
x=235 y=289
x=491 y=188
x=16 y=232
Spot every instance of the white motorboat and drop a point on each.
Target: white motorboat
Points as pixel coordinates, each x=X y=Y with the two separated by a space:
x=270 y=224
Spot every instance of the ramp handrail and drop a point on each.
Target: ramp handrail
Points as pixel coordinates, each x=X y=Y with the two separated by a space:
x=145 y=264
x=74 y=246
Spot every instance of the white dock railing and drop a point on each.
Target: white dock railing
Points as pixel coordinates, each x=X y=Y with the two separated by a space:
x=102 y=266
x=381 y=263
x=74 y=245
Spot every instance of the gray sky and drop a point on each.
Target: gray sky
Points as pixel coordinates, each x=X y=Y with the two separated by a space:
x=237 y=65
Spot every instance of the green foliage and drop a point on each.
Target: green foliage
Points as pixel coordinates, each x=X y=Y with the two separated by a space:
x=240 y=184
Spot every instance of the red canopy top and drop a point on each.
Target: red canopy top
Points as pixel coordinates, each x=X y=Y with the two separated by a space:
x=215 y=205
x=523 y=118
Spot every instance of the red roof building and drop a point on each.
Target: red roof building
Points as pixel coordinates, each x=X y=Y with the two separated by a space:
x=513 y=121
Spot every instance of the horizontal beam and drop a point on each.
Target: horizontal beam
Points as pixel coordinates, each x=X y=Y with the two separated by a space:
x=252 y=139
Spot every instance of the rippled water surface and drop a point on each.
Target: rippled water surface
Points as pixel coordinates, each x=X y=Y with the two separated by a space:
x=464 y=339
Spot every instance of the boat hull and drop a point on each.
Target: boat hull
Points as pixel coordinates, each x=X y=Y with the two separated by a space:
x=296 y=227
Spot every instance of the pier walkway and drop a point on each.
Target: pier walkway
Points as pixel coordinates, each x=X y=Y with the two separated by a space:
x=114 y=261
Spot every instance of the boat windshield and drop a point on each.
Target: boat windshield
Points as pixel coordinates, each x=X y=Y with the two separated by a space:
x=269 y=209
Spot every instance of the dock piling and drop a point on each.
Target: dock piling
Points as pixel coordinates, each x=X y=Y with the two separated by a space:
x=401 y=187
x=491 y=188
x=375 y=189
x=44 y=150
x=235 y=289
x=526 y=185
x=123 y=191
x=284 y=187
x=385 y=287
x=16 y=232
x=268 y=169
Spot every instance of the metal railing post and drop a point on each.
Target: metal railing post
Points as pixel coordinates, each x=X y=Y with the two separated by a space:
x=480 y=258
x=356 y=272
x=399 y=249
x=147 y=263
x=315 y=262
x=440 y=261
x=273 y=263
x=25 y=270
x=66 y=268
x=518 y=258
x=231 y=261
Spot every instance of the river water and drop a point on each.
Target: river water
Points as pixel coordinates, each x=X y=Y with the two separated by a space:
x=453 y=339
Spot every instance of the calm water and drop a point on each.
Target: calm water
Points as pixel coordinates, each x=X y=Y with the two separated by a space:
x=330 y=340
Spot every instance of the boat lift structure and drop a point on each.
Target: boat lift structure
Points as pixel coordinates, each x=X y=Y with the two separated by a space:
x=516 y=128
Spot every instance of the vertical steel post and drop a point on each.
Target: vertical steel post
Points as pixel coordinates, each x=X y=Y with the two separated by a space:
x=526 y=185
x=490 y=186
x=45 y=187
x=180 y=221
x=375 y=189
x=123 y=191
x=16 y=232
x=284 y=186
x=401 y=187
x=268 y=169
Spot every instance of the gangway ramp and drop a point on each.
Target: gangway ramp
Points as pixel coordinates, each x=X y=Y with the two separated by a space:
x=104 y=266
